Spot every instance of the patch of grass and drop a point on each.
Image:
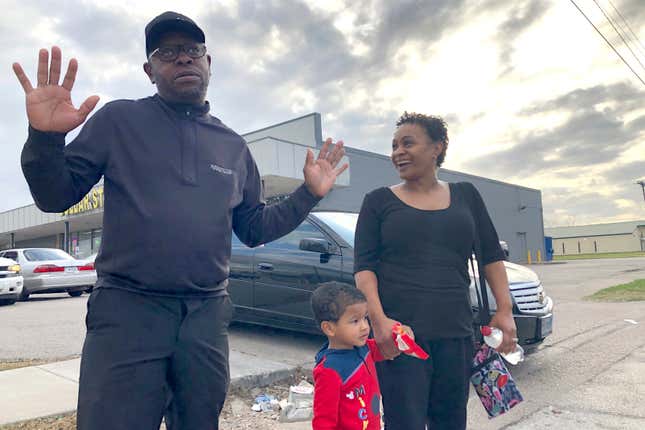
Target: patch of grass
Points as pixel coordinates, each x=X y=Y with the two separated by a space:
x=631 y=292
x=600 y=255
x=15 y=364
x=58 y=422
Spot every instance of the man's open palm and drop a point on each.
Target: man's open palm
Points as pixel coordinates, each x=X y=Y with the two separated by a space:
x=321 y=173
x=49 y=105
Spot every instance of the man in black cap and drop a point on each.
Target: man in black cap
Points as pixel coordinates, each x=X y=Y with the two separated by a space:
x=177 y=181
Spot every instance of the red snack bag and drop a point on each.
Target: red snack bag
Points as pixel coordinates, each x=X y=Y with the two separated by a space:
x=406 y=344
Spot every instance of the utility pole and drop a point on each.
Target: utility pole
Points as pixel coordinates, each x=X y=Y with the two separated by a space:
x=642 y=184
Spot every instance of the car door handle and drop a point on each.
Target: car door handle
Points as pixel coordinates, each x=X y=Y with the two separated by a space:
x=265 y=266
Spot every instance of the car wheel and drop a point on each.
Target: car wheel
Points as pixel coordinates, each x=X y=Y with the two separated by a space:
x=75 y=293
x=89 y=290
x=24 y=295
x=7 y=302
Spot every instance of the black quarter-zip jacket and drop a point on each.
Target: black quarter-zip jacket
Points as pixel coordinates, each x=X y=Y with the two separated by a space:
x=177 y=181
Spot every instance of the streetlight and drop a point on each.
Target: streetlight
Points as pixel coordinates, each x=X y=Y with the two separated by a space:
x=642 y=184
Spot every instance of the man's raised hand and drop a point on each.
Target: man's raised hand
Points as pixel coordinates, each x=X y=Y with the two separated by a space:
x=49 y=105
x=321 y=173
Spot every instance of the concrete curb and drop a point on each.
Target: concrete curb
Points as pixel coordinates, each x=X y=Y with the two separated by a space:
x=545 y=263
x=23 y=391
x=263 y=379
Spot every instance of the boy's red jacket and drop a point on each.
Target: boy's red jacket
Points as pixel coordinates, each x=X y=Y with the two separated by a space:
x=346 y=390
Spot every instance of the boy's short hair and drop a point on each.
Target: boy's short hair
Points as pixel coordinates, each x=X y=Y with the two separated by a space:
x=330 y=300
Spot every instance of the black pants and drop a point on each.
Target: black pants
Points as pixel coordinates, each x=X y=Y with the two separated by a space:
x=434 y=392
x=147 y=356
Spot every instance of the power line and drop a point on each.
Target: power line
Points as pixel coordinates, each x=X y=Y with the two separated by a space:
x=639 y=44
x=608 y=42
x=619 y=33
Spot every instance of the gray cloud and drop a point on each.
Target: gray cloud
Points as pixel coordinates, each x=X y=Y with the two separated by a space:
x=520 y=18
x=588 y=138
x=577 y=208
x=626 y=173
x=414 y=21
x=625 y=97
x=251 y=85
x=632 y=11
x=586 y=205
x=329 y=70
x=596 y=133
x=592 y=135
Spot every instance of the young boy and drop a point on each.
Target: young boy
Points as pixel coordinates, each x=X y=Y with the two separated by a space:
x=346 y=390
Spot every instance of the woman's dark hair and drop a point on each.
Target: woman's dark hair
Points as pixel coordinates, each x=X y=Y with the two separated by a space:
x=330 y=300
x=435 y=128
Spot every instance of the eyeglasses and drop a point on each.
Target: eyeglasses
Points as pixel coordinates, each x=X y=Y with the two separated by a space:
x=170 y=53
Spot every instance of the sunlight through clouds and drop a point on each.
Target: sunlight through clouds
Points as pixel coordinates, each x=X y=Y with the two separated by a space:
x=531 y=93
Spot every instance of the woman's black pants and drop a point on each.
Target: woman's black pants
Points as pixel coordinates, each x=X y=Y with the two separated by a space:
x=433 y=392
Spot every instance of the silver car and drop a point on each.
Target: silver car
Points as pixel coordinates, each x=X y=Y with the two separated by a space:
x=532 y=308
x=50 y=270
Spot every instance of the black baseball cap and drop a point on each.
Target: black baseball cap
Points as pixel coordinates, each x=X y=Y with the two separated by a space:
x=170 y=21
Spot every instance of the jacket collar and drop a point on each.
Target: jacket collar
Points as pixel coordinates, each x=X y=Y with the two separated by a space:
x=185 y=109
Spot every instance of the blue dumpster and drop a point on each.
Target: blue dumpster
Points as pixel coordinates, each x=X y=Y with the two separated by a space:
x=548 y=248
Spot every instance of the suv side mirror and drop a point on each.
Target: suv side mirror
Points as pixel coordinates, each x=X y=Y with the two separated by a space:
x=321 y=246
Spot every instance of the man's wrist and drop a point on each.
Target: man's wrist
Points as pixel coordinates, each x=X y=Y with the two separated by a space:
x=306 y=191
x=40 y=133
x=311 y=193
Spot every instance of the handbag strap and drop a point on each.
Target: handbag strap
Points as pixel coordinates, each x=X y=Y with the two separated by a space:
x=483 y=314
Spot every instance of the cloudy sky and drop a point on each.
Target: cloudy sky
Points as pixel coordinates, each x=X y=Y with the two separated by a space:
x=531 y=93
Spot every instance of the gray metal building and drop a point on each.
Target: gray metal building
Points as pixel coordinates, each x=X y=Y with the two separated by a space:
x=626 y=236
x=279 y=151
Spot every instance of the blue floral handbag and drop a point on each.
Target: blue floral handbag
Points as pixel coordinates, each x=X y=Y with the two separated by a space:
x=493 y=382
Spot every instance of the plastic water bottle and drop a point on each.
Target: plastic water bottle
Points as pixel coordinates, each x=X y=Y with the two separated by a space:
x=493 y=338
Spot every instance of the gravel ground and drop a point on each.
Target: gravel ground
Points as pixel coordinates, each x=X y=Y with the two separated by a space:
x=236 y=414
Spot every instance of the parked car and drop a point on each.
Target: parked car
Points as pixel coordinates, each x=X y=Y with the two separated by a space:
x=50 y=270
x=272 y=284
x=504 y=246
x=10 y=281
x=89 y=261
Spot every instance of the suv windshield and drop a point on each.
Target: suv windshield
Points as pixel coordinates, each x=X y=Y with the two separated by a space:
x=46 y=254
x=343 y=223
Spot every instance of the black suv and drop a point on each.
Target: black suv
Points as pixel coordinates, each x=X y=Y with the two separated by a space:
x=272 y=284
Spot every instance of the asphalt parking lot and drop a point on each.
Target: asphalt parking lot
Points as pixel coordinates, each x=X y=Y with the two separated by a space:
x=586 y=375
x=587 y=372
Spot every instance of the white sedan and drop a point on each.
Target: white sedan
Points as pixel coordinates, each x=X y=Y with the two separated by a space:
x=51 y=270
x=10 y=281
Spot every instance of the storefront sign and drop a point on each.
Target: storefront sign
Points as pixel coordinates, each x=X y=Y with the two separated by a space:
x=93 y=200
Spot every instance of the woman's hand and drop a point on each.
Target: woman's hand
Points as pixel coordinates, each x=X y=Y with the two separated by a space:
x=383 y=335
x=503 y=318
x=505 y=322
